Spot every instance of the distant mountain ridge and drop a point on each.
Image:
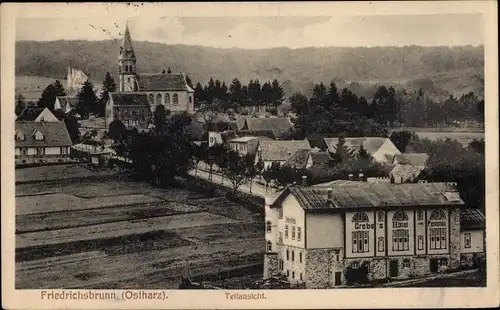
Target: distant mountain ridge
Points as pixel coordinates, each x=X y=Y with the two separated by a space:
x=440 y=70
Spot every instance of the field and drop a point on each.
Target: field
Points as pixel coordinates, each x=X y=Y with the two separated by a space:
x=117 y=233
x=462 y=135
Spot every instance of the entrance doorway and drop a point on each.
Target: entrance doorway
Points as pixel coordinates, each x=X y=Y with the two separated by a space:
x=393 y=269
x=434 y=265
x=338 y=278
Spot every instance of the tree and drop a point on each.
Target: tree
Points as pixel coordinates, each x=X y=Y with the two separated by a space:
x=116 y=130
x=271 y=173
x=160 y=118
x=234 y=168
x=48 y=97
x=251 y=169
x=108 y=86
x=188 y=81
x=210 y=112
x=299 y=103
x=87 y=100
x=199 y=94
x=401 y=139
x=343 y=154
x=20 y=104
x=199 y=153
x=59 y=88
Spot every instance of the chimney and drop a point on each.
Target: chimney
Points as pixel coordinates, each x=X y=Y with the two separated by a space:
x=351 y=176
x=304 y=180
x=361 y=176
x=451 y=187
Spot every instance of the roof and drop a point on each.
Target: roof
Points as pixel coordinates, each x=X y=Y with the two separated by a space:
x=126 y=48
x=371 y=144
x=243 y=139
x=338 y=182
x=406 y=172
x=370 y=195
x=29 y=114
x=471 y=219
x=240 y=120
x=138 y=99
x=281 y=150
x=162 y=81
x=261 y=135
x=320 y=158
x=72 y=100
x=416 y=159
x=55 y=134
x=299 y=159
x=280 y=125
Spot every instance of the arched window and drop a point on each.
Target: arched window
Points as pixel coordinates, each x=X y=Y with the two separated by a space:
x=420 y=215
x=269 y=246
x=437 y=215
x=158 y=99
x=400 y=216
x=360 y=217
x=126 y=68
x=268 y=226
x=167 y=98
x=151 y=99
x=400 y=232
x=175 y=99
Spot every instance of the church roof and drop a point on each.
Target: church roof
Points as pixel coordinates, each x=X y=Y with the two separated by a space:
x=126 y=48
x=128 y=99
x=162 y=81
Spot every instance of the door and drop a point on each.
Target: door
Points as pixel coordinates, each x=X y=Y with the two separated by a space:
x=338 y=278
x=434 y=265
x=393 y=269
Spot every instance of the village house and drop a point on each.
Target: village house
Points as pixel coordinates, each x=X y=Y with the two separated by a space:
x=35 y=114
x=279 y=125
x=216 y=137
x=381 y=149
x=307 y=158
x=279 y=151
x=166 y=88
x=244 y=145
x=41 y=142
x=323 y=236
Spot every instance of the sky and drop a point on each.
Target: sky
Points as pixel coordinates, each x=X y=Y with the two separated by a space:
x=267 y=32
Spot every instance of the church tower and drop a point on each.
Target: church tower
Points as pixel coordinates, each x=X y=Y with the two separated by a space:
x=126 y=64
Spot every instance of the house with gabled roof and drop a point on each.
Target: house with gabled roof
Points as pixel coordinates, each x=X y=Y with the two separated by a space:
x=381 y=149
x=346 y=231
x=279 y=151
x=41 y=142
x=35 y=114
x=280 y=125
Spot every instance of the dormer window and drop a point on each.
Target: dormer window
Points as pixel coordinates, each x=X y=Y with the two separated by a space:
x=38 y=136
x=19 y=136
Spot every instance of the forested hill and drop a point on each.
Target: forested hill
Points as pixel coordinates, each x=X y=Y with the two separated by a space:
x=440 y=71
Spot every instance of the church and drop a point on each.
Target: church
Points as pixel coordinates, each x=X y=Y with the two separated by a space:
x=139 y=94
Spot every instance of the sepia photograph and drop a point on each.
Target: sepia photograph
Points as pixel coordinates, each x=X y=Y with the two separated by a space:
x=254 y=153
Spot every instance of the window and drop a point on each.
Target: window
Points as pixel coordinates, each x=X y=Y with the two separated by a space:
x=360 y=217
x=134 y=113
x=268 y=226
x=128 y=80
x=190 y=99
x=420 y=215
x=360 y=242
x=269 y=246
x=438 y=238
x=175 y=99
x=300 y=276
x=437 y=215
x=293 y=274
x=337 y=255
x=299 y=234
x=286 y=231
x=19 y=136
x=293 y=232
x=151 y=98
x=354 y=265
x=126 y=68
x=400 y=240
x=40 y=151
x=400 y=216
x=293 y=255
x=64 y=150
x=167 y=98
x=381 y=216
x=406 y=263
x=288 y=273
x=380 y=244
x=443 y=262
x=281 y=264
x=300 y=257
x=280 y=238
x=467 y=240
x=38 y=135
x=24 y=151
x=420 y=241
x=287 y=255
x=280 y=212
x=158 y=99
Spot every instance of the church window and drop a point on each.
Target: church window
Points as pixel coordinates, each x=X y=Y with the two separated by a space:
x=175 y=99
x=151 y=98
x=158 y=99
x=400 y=236
x=167 y=98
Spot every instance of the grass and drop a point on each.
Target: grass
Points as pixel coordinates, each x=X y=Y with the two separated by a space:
x=56 y=172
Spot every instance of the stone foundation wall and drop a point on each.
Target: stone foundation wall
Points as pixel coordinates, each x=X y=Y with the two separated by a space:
x=318 y=268
x=271 y=266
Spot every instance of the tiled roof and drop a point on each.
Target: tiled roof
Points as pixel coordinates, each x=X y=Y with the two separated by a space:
x=471 y=219
x=406 y=172
x=72 y=100
x=126 y=49
x=320 y=158
x=55 y=134
x=162 y=81
x=29 y=114
x=243 y=139
x=136 y=99
x=416 y=159
x=280 y=125
x=370 y=144
x=299 y=159
x=281 y=150
x=260 y=134
x=371 y=195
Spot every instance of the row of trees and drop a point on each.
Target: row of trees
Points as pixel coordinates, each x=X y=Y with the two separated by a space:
x=237 y=94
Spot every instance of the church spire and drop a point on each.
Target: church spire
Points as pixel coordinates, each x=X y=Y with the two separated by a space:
x=126 y=49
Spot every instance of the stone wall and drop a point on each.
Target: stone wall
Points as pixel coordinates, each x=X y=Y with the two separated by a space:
x=454 y=238
x=318 y=268
x=271 y=266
